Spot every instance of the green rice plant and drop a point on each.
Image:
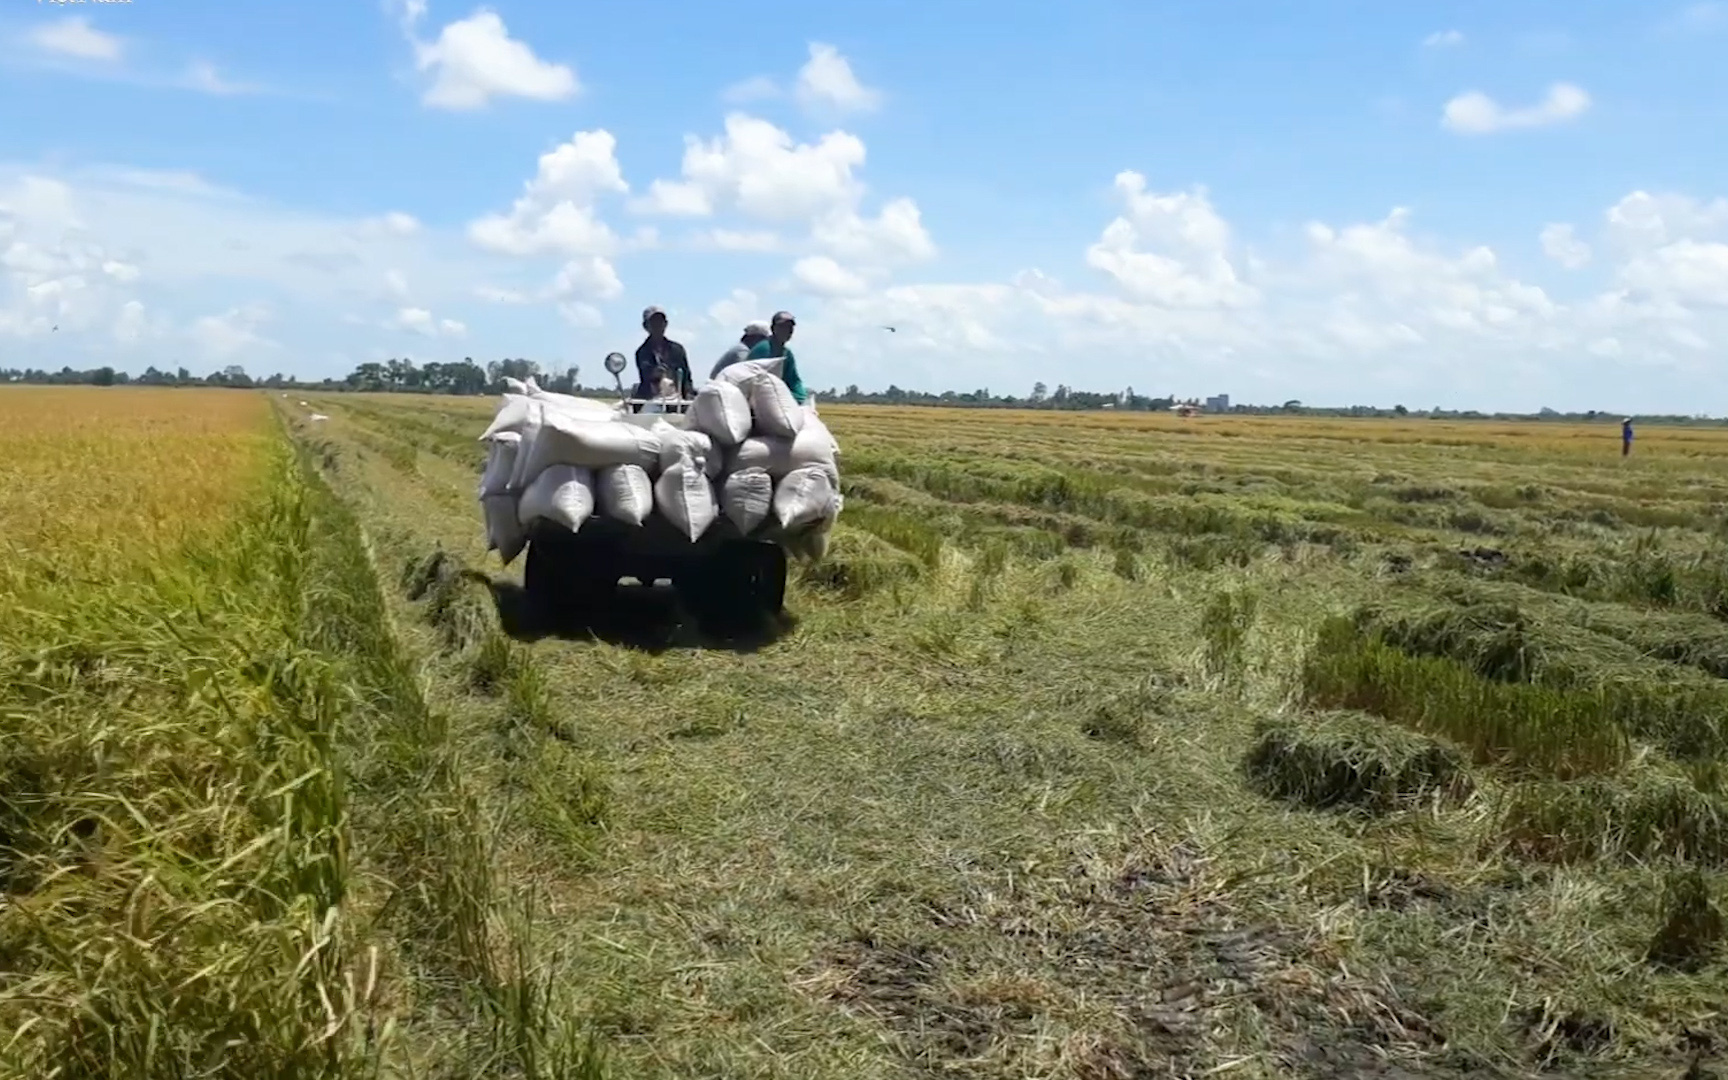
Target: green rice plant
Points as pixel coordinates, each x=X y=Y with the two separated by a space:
x=1225 y=624
x=1212 y=552
x=859 y=564
x=1126 y=565
x=1065 y=575
x=1557 y=732
x=1692 y=923
x=1122 y=717
x=1352 y=760
x=175 y=812
x=527 y=699
x=906 y=533
x=1684 y=713
x=992 y=558
x=1639 y=817
x=491 y=663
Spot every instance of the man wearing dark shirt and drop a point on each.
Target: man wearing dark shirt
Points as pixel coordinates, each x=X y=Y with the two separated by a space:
x=661 y=351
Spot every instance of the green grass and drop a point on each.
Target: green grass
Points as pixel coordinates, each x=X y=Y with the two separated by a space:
x=1353 y=761
x=1030 y=788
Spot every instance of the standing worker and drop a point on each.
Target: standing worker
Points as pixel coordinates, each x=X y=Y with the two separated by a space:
x=780 y=329
x=1625 y=436
x=660 y=351
x=756 y=331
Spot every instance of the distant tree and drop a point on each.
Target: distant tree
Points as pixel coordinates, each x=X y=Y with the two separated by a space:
x=104 y=376
x=1039 y=392
x=1400 y=410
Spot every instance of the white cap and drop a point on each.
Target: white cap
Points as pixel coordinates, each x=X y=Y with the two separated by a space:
x=759 y=328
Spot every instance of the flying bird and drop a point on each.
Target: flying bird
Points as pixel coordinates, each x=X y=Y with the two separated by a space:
x=890 y=329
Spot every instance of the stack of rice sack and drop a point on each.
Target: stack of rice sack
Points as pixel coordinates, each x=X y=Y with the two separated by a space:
x=751 y=454
x=780 y=461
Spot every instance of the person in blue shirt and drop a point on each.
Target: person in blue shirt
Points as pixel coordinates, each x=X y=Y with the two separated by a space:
x=1625 y=436
x=780 y=329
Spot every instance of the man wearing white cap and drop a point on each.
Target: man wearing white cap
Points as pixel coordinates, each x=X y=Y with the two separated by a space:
x=756 y=331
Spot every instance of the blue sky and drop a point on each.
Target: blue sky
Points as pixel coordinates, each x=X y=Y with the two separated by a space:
x=1499 y=205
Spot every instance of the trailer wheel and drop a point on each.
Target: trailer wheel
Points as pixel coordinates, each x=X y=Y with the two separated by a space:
x=566 y=575
x=738 y=585
x=763 y=572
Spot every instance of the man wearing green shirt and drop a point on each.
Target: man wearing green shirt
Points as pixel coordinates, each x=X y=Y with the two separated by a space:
x=779 y=333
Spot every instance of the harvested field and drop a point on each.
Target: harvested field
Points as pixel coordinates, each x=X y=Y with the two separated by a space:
x=1100 y=746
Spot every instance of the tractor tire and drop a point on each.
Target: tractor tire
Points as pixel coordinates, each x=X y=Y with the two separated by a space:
x=566 y=575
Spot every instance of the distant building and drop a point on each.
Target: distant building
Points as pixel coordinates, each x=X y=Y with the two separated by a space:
x=1220 y=403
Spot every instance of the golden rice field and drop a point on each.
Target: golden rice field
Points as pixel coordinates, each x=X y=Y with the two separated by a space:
x=1100 y=746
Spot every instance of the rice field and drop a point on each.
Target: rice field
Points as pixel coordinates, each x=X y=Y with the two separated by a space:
x=1100 y=746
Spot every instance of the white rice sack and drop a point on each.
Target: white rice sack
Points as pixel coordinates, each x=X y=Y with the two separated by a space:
x=529 y=439
x=773 y=407
x=514 y=386
x=504 y=531
x=722 y=412
x=746 y=497
x=510 y=416
x=586 y=408
x=744 y=370
x=806 y=496
x=625 y=493
x=685 y=498
x=677 y=442
x=762 y=452
x=814 y=444
x=562 y=494
x=500 y=461
x=562 y=439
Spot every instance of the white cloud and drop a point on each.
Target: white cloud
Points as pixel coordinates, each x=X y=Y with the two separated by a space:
x=753 y=240
x=161 y=268
x=475 y=60
x=896 y=235
x=133 y=324
x=674 y=198
x=762 y=172
x=233 y=333
x=735 y=310
x=120 y=271
x=1560 y=243
x=823 y=276
x=589 y=277
x=418 y=320
x=202 y=76
x=1171 y=250
x=392 y=224
x=826 y=82
x=755 y=88
x=1475 y=113
x=555 y=212
x=582 y=316
x=73 y=36
x=1443 y=39
x=1642 y=221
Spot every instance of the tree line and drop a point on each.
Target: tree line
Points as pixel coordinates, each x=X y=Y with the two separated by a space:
x=466 y=377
